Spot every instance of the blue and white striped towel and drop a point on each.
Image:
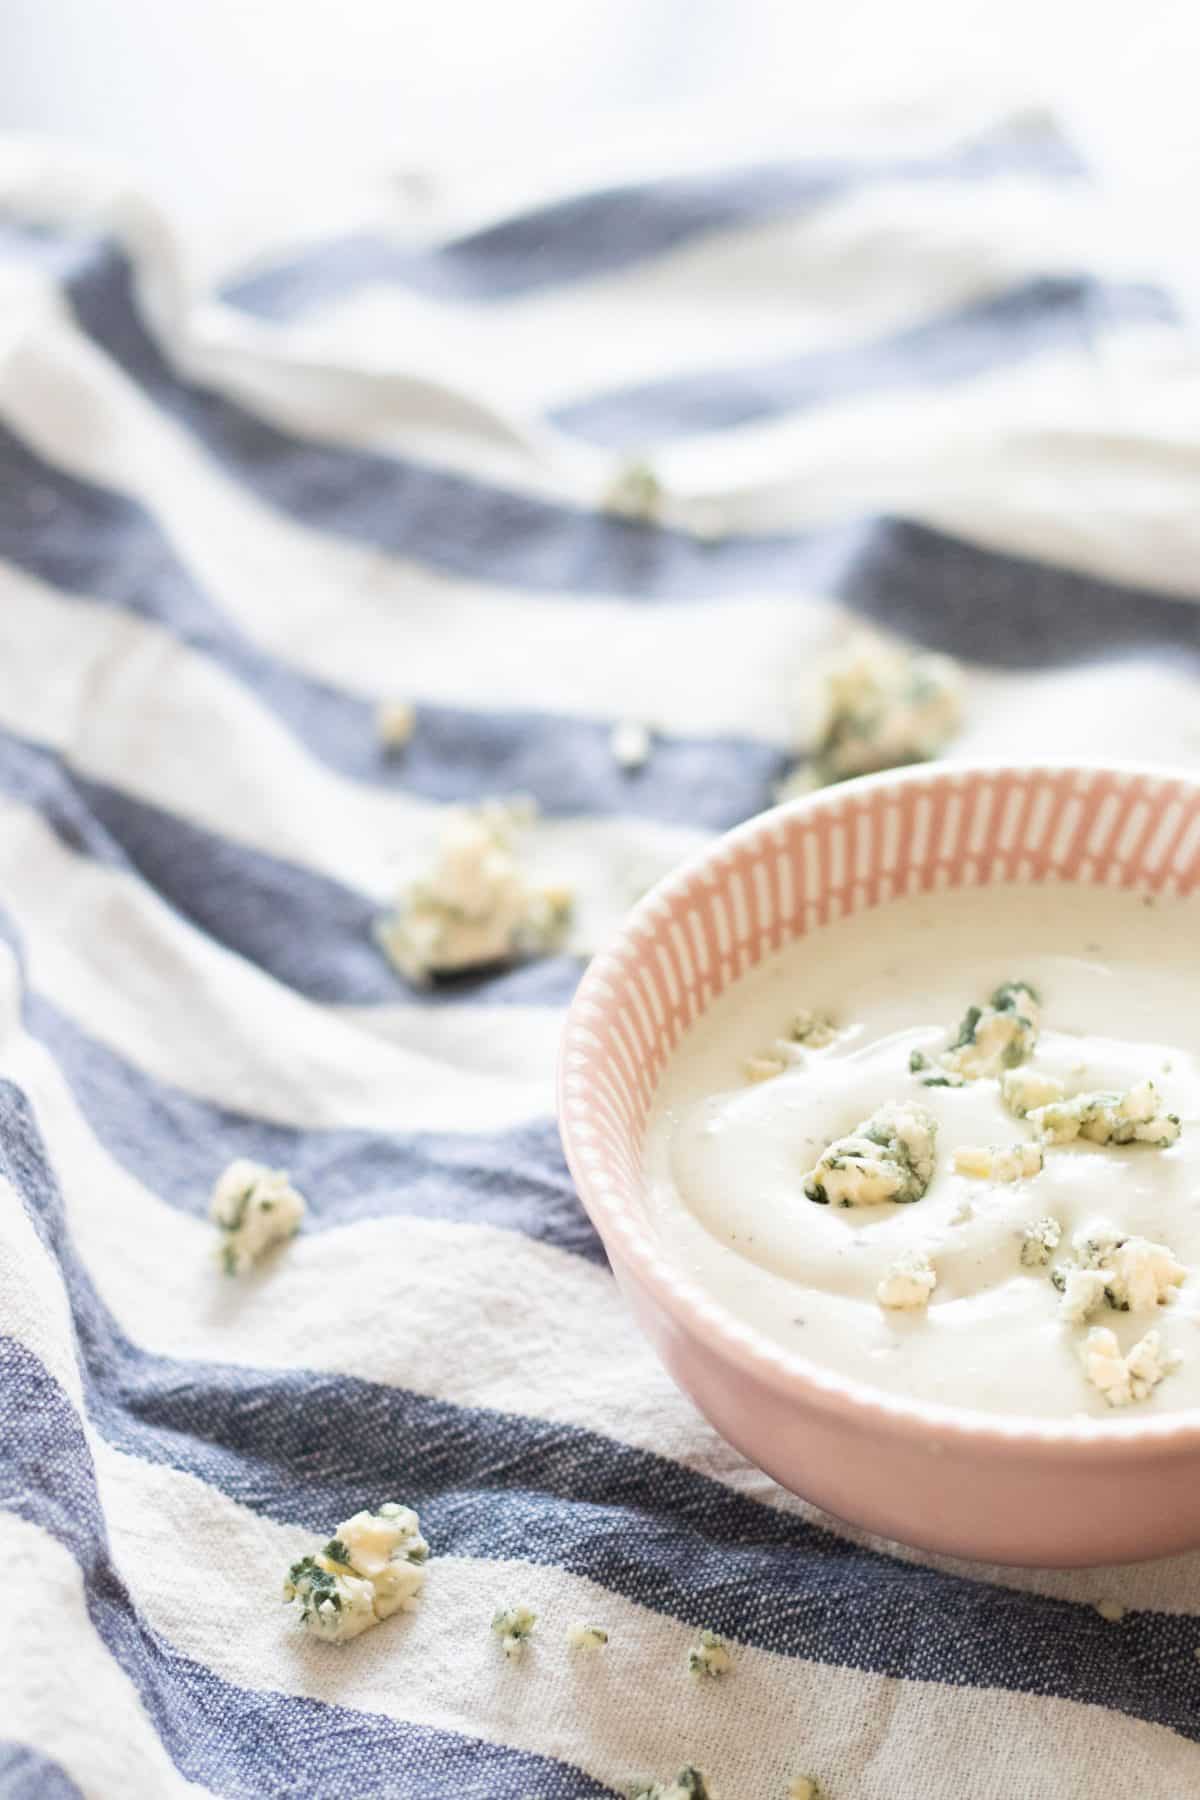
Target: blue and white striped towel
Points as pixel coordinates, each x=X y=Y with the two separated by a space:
x=915 y=384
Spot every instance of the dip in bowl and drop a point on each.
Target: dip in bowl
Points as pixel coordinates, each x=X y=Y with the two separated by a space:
x=888 y=1113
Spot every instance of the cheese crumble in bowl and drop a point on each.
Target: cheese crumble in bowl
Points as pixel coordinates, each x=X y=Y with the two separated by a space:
x=936 y=1267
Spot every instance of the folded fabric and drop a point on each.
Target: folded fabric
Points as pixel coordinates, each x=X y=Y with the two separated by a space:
x=635 y=455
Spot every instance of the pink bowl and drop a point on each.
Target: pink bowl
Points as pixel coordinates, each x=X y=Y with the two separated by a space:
x=974 y=1484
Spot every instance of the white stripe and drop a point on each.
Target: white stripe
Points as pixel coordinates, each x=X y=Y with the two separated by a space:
x=787 y=480
x=350 y=388
x=63 y=1693
x=376 y=623
x=984 y=459
x=441 y=1666
x=487 y=1040
x=247 y=1043
x=127 y=704
x=462 y=193
x=465 y=193
x=1124 y=709
x=720 y=302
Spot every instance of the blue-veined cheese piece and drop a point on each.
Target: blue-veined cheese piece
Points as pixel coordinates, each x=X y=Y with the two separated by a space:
x=1127 y=1273
x=253 y=1208
x=1136 y=1117
x=372 y=1567
x=387 y=1548
x=889 y=1156
x=709 y=1656
x=473 y=906
x=908 y=1283
x=513 y=1625
x=997 y=1036
x=999 y=1162
x=883 y=706
x=1024 y=1089
x=1123 y=1379
x=689 y=1784
x=807 y=1031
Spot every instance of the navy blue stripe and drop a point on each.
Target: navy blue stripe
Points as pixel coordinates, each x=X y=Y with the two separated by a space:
x=1048 y=313
x=498 y=1486
x=25 y=1774
x=90 y=543
x=234 y=1740
x=614 y=228
x=995 y=608
x=176 y=1144
x=1007 y=611
x=709 y=783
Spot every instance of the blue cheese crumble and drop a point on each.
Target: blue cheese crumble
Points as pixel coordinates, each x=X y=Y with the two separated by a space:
x=1129 y=1274
x=1023 y=1090
x=387 y=1548
x=1082 y=1292
x=395 y=722
x=513 y=1625
x=1039 y=1241
x=997 y=1036
x=931 y=1076
x=908 y=1283
x=1124 y=1379
x=253 y=1208
x=807 y=1031
x=371 y=1568
x=630 y=744
x=709 y=1657
x=332 y=1603
x=884 y=706
x=1011 y=1162
x=636 y=490
x=1140 y=1274
x=889 y=1156
x=689 y=1784
x=587 y=1637
x=1136 y=1117
x=474 y=906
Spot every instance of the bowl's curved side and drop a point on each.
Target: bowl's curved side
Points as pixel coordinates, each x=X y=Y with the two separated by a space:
x=769 y=882
x=980 y=1496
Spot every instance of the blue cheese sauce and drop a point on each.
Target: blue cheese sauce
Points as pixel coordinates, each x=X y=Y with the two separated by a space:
x=997 y=1286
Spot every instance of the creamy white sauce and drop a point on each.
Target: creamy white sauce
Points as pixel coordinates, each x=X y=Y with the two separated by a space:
x=725 y=1159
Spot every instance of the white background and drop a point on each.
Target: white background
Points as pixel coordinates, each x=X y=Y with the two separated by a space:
x=241 y=112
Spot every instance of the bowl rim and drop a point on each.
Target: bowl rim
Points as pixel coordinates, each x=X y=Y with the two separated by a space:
x=692 y=1307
